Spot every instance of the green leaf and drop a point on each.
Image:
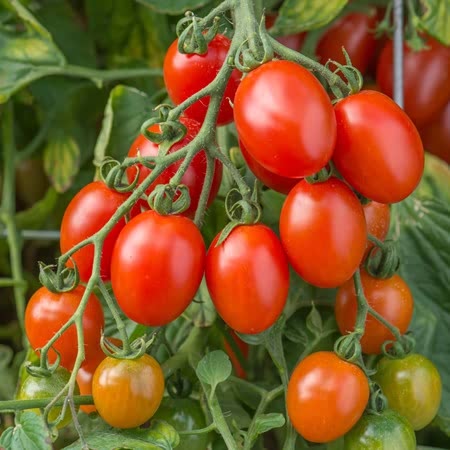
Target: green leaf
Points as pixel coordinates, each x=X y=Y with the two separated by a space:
x=35 y=217
x=231 y=404
x=214 y=368
x=266 y=422
x=29 y=433
x=174 y=7
x=8 y=374
x=303 y=15
x=436 y=19
x=435 y=181
x=201 y=311
x=314 y=322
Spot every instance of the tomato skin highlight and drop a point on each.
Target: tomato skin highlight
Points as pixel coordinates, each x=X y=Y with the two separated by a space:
x=323 y=232
x=47 y=312
x=368 y=125
x=87 y=213
x=378 y=219
x=412 y=386
x=248 y=278
x=426 y=78
x=285 y=119
x=157 y=267
x=128 y=392
x=184 y=75
x=389 y=297
x=326 y=396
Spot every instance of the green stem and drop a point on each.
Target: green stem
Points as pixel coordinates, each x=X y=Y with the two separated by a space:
x=211 y=427
x=20 y=405
x=248 y=385
x=206 y=189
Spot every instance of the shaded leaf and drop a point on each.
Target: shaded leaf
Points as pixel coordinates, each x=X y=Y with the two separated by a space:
x=266 y=422
x=436 y=19
x=174 y=6
x=201 y=311
x=214 y=368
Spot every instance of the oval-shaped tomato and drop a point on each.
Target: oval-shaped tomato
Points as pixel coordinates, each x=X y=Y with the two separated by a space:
x=184 y=75
x=293 y=41
x=285 y=119
x=412 y=386
x=326 y=396
x=378 y=219
x=185 y=414
x=356 y=33
x=426 y=78
x=323 y=232
x=382 y=431
x=86 y=214
x=270 y=179
x=243 y=347
x=127 y=392
x=194 y=176
x=389 y=297
x=368 y=123
x=157 y=267
x=248 y=278
x=47 y=312
x=48 y=387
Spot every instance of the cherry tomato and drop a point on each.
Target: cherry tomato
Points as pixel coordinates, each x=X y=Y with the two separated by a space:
x=381 y=432
x=293 y=41
x=378 y=219
x=368 y=124
x=426 y=78
x=48 y=387
x=248 y=278
x=323 y=232
x=270 y=179
x=194 y=176
x=326 y=396
x=184 y=75
x=243 y=347
x=356 y=33
x=127 y=392
x=285 y=119
x=47 y=312
x=157 y=267
x=412 y=386
x=390 y=297
x=86 y=214
x=185 y=414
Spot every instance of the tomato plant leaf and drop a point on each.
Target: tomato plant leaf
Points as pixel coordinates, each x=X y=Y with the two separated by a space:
x=214 y=368
x=266 y=422
x=303 y=15
x=314 y=321
x=35 y=217
x=174 y=7
x=201 y=311
x=30 y=433
x=436 y=19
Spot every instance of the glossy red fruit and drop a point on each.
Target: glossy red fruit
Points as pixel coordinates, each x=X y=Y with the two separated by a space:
x=378 y=219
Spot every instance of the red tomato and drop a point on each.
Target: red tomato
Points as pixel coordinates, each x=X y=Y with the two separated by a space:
x=390 y=297
x=47 y=312
x=243 y=347
x=86 y=214
x=157 y=266
x=378 y=219
x=285 y=119
x=194 y=176
x=323 y=232
x=184 y=75
x=426 y=79
x=270 y=179
x=293 y=41
x=354 y=32
x=248 y=278
x=326 y=396
x=369 y=124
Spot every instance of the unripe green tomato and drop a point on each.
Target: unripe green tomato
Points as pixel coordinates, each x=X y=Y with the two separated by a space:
x=384 y=431
x=31 y=181
x=184 y=414
x=47 y=387
x=412 y=386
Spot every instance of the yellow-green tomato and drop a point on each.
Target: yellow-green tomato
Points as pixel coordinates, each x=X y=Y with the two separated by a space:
x=412 y=386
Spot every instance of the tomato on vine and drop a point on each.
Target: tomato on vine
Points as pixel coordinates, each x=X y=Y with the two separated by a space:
x=285 y=119
x=157 y=266
x=378 y=219
x=323 y=232
x=326 y=396
x=47 y=312
x=390 y=297
x=184 y=75
x=248 y=278
x=127 y=392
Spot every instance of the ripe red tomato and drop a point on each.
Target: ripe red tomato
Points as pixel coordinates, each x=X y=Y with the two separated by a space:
x=391 y=298
x=354 y=32
x=47 y=312
x=243 y=347
x=194 y=176
x=293 y=41
x=127 y=392
x=378 y=219
x=323 y=232
x=285 y=119
x=184 y=75
x=157 y=266
x=326 y=396
x=86 y=214
x=426 y=79
x=248 y=278
x=270 y=179
x=368 y=125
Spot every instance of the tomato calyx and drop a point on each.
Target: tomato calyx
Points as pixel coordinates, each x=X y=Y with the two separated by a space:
x=167 y=199
x=135 y=350
x=322 y=175
x=383 y=260
x=377 y=400
x=64 y=280
x=112 y=174
x=400 y=348
x=171 y=131
x=351 y=73
x=348 y=347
